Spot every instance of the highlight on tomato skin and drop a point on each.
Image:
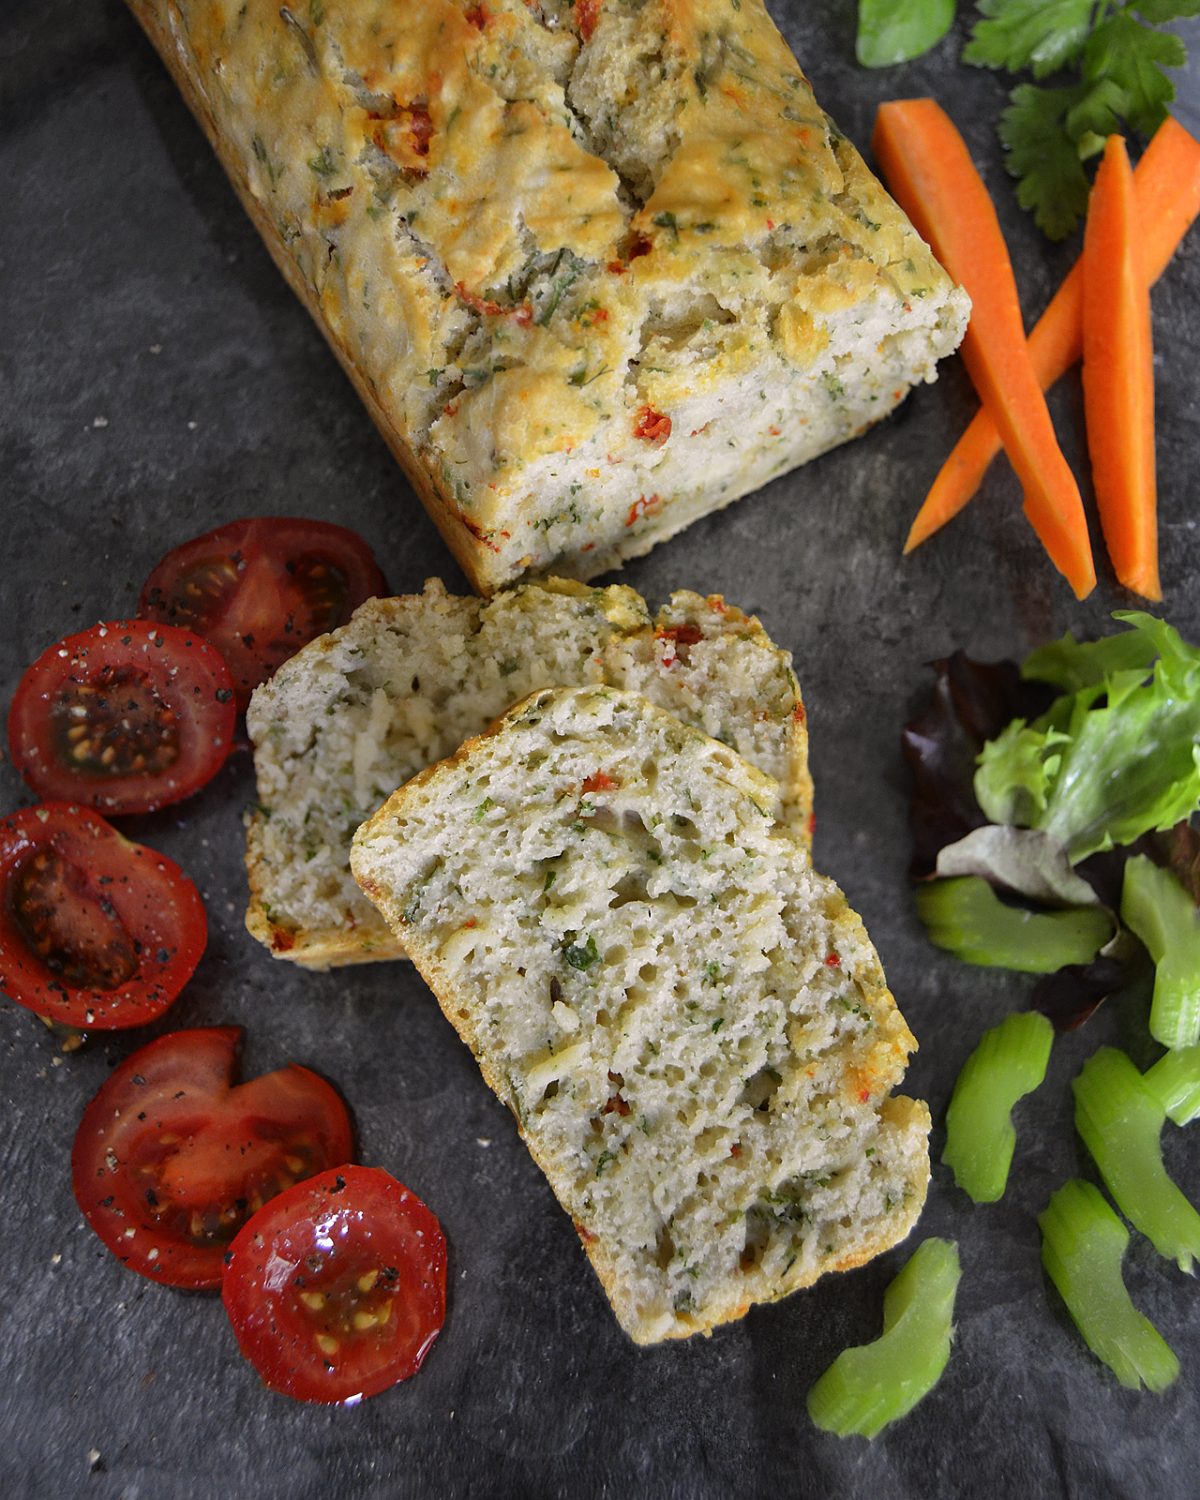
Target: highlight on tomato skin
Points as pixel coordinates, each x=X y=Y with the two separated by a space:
x=337 y=1289
x=260 y=589
x=172 y=1157
x=96 y=932
x=126 y=717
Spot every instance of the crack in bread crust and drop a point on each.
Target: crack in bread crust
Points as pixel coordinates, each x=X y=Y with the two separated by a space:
x=489 y=213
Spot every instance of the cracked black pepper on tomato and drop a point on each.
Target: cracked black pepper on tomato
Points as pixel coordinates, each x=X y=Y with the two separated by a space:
x=95 y=931
x=126 y=717
x=172 y=1158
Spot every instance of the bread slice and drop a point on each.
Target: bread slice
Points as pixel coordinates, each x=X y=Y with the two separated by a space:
x=689 y=1024
x=596 y=269
x=359 y=711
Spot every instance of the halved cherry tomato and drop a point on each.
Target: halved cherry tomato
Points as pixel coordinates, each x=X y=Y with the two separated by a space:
x=171 y=1158
x=337 y=1289
x=260 y=589
x=127 y=717
x=95 y=931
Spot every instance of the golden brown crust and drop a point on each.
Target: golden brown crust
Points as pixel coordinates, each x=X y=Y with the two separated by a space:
x=468 y=552
x=567 y=381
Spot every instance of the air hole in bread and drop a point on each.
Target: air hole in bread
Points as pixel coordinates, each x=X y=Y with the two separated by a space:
x=631 y=887
x=759 y=1222
x=759 y=1089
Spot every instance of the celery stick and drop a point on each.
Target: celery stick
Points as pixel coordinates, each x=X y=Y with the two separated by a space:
x=867 y=1387
x=1158 y=909
x=1120 y=1119
x=1083 y=1243
x=1009 y=1062
x=1175 y=1079
x=966 y=917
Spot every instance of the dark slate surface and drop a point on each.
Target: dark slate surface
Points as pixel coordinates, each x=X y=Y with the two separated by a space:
x=159 y=379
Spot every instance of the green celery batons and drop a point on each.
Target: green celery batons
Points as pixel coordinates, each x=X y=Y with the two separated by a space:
x=965 y=916
x=1157 y=908
x=1083 y=1243
x=867 y=1387
x=1009 y=1062
x=1120 y=1119
x=1175 y=1079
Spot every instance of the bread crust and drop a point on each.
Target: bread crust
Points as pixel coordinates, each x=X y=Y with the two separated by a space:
x=152 y=17
x=565 y=432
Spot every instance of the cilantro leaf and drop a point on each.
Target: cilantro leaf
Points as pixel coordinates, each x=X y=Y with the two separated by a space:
x=1158 y=11
x=1133 y=56
x=1044 y=35
x=1043 y=156
x=893 y=31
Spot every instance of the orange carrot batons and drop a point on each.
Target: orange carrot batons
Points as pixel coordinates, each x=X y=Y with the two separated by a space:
x=929 y=170
x=1166 y=185
x=1118 y=374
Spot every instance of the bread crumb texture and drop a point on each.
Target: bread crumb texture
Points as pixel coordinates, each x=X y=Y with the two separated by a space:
x=358 y=712
x=689 y=1024
x=599 y=268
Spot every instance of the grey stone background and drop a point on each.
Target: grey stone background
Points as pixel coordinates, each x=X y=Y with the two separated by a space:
x=158 y=379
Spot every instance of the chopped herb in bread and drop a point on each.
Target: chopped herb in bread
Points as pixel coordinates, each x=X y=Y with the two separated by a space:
x=359 y=711
x=689 y=1024
x=596 y=270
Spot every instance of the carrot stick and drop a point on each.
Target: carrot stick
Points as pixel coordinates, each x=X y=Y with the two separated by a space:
x=1118 y=374
x=929 y=169
x=1166 y=185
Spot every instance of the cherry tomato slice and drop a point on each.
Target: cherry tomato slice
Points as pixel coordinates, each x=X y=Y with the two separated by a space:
x=171 y=1158
x=262 y=588
x=95 y=931
x=127 y=716
x=337 y=1289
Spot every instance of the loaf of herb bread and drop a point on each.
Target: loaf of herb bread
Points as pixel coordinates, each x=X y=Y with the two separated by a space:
x=596 y=268
x=359 y=711
x=689 y=1024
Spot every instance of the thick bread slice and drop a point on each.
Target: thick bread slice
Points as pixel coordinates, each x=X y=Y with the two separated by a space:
x=359 y=711
x=596 y=270
x=689 y=1024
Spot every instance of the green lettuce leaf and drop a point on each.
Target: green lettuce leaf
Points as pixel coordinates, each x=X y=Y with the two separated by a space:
x=1070 y=664
x=1117 y=759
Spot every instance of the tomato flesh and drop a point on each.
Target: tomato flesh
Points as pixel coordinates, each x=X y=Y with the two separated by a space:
x=171 y=1158
x=95 y=931
x=337 y=1289
x=260 y=589
x=128 y=717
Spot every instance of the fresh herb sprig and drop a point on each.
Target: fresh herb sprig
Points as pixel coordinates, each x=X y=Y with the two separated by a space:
x=1108 y=63
x=1115 y=56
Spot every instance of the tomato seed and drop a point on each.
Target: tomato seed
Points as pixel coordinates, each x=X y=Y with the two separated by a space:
x=326 y=1343
x=115 y=723
x=365 y=1283
x=313 y=1300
